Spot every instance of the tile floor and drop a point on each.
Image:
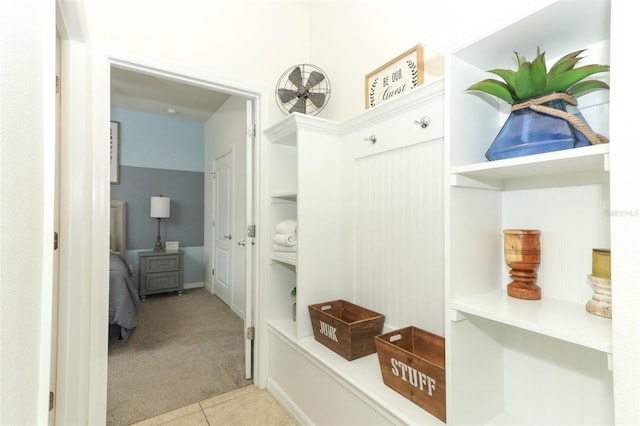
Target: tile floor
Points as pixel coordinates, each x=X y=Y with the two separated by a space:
x=245 y=406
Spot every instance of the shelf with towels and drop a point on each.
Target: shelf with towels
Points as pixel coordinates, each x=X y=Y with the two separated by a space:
x=285 y=242
x=292 y=262
x=302 y=154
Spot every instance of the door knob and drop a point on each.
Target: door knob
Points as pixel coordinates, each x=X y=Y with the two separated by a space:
x=241 y=243
x=228 y=237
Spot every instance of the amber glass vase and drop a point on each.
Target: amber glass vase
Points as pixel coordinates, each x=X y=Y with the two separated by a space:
x=522 y=255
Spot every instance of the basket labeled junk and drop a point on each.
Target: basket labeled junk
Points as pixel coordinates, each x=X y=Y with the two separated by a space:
x=346 y=328
x=412 y=363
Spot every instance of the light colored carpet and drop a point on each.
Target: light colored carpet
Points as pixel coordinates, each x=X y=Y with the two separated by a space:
x=184 y=350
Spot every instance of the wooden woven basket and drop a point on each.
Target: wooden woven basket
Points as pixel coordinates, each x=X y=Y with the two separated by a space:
x=412 y=363
x=346 y=328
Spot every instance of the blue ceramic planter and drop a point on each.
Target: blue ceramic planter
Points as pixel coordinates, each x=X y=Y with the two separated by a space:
x=528 y=132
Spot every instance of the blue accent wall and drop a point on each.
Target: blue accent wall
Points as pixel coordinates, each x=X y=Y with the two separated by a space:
x=186 y=191
x=159 y=142
x=162 y=156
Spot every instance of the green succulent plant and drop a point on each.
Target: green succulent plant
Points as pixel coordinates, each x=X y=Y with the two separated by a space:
x=532 y=79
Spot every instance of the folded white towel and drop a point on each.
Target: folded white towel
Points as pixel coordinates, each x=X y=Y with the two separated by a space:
x=286 y=255
x=285 y=239
x=279 y=247
x=289 y=226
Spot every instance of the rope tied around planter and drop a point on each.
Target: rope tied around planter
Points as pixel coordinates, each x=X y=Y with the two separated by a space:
x=577 y=123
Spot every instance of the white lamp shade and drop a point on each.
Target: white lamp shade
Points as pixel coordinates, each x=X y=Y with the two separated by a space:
x=160 y=207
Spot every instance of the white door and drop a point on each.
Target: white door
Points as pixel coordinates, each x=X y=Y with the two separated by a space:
x=222 y=226
x=249 y=244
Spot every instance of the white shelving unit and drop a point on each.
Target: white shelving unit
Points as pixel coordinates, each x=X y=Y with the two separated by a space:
x=303 y=184
x=512 y=361
x=508 y=361
x=370 y=230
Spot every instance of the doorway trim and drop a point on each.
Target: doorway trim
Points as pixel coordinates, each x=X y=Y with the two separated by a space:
x=191 y=77
x=82 y=361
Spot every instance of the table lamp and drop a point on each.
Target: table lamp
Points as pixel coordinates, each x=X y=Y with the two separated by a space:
x=160 y=209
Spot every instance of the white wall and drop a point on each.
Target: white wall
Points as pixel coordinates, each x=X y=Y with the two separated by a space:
x=27 y=136
x=225 y=131
x=352 y=38
x=249 y=42
x=625 y=229
x=253 y=42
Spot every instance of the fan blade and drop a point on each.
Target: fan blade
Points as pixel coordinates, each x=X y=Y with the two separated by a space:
x=296 y=78
x=286 y=95
x=317 y=99
x=300 y=106
x=314 y=78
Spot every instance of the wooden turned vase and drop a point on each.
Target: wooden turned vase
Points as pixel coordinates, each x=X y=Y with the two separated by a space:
x=522 y=255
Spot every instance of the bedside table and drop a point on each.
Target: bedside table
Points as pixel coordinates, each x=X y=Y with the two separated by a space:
x=160 y=272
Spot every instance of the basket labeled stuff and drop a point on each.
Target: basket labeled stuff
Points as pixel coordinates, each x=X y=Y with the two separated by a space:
x=346 y=328
x=412 y=363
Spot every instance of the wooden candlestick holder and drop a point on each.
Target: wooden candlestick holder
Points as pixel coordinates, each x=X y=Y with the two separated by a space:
x=522 y=255
x=600 y=303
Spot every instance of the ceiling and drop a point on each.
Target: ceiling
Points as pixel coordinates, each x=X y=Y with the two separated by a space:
x=146 y=93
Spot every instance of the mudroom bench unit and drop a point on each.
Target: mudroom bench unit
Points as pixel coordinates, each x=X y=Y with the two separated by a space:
x=334 y=179
x=311 y=380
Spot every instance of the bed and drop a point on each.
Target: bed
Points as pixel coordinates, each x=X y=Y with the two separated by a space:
x=123 y=297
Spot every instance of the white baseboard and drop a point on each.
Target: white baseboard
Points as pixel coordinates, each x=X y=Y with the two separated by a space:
x=193 y=285
x=287 y=403
x=237 y=311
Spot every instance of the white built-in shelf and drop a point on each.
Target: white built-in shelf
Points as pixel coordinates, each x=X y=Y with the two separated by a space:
x=589 y=23
x=284 y=260
x=287 y=196
x=362 y=376
x=584 y=165
x=556 y=318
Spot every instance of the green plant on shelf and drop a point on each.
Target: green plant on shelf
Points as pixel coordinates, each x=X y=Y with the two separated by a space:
x=293 y=292
x=532 y=79
x=544 y=115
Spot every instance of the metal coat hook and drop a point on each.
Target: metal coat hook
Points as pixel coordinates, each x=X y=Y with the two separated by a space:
x=424 y=122
x=373 y=139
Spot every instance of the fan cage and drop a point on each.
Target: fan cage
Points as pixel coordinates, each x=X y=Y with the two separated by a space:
x=284 y=82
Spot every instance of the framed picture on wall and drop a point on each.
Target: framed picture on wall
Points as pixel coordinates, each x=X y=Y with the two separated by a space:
x=115 y=152
x=398 y=76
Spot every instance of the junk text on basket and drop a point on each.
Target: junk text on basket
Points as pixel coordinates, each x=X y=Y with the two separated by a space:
x=328 y=331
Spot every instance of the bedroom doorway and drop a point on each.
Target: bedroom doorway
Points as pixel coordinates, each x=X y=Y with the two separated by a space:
x=249 y=115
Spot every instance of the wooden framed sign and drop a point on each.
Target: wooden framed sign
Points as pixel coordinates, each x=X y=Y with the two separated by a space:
x=394 y=78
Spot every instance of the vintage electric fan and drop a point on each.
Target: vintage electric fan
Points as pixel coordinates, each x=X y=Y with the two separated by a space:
x=303 y=88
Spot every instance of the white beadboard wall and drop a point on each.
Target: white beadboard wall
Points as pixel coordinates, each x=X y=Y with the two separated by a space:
x=546 y=360
x=399 y=235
